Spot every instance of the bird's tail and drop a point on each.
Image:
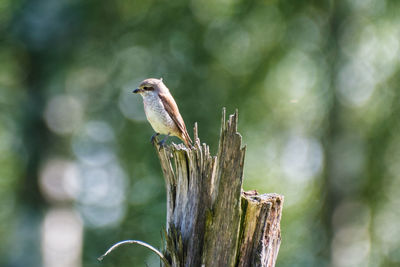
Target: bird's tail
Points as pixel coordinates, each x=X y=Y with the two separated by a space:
x=186 y=139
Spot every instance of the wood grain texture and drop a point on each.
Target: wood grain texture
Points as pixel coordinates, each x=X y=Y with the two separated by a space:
x=260 y=233
x=210 y=221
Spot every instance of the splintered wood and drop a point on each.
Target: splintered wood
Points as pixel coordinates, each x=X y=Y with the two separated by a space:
x=210 y=221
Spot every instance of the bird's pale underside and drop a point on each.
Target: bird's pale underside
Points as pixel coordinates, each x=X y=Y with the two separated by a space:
x=161 y=110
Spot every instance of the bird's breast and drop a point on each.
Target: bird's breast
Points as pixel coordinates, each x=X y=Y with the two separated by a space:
x=158 y=116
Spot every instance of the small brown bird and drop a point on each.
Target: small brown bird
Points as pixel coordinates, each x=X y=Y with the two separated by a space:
x=162 y=111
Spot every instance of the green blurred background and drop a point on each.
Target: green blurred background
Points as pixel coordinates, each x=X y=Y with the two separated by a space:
x=316 y=83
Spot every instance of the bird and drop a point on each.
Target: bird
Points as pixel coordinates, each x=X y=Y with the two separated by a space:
x=162 y=111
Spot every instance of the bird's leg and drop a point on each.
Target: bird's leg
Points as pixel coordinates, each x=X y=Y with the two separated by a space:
x=153 y=137
x=162 y=142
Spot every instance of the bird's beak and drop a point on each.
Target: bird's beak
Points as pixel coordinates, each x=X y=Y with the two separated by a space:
x=137 y=90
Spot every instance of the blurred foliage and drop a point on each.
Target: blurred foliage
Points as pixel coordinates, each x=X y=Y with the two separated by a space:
x=317 y=88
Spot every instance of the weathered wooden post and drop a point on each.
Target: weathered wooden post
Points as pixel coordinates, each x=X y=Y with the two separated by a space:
x=211 y=222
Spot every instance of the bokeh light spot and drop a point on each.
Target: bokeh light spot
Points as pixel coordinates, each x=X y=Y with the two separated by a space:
x=59 y=180
x=62 y=234
x=301 y=159
x=63 y=114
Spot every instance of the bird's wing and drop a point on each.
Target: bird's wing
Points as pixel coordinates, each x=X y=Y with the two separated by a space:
x=173 y=111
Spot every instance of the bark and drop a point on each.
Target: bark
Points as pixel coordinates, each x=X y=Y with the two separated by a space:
x=210 y=220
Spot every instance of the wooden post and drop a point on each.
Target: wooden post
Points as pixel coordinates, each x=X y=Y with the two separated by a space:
x=210 y=220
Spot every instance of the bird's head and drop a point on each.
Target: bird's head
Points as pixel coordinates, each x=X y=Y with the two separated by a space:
x=150 y=86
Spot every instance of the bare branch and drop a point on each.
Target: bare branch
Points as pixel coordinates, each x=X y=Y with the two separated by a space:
x=141 y=243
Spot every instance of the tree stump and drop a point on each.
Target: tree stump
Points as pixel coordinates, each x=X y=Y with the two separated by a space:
x=210 y=220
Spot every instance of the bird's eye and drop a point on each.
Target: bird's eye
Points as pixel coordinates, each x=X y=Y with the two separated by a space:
x=147 y=88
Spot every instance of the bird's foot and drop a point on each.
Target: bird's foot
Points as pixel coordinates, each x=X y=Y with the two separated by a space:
x=153 y=137
x=162 y=142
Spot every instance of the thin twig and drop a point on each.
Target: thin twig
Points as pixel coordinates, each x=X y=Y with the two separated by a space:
x=139 y=243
